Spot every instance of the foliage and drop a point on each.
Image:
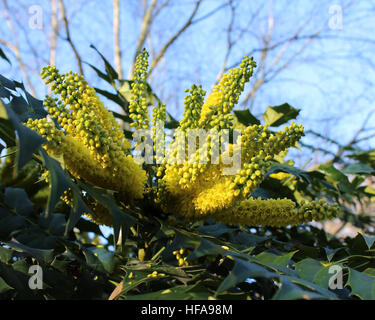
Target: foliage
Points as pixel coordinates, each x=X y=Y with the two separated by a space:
x=152 y=255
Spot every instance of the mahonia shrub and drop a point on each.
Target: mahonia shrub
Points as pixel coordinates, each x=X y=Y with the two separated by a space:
x=85 y=134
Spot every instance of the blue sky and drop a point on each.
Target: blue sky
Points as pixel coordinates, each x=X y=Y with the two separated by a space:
x=331 y=81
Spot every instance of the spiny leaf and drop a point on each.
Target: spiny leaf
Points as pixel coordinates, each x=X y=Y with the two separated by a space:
x=243 y=270
x=278 y=115
x=246 y=118
x=3 y=56
x=29 y=141
x=362 y=285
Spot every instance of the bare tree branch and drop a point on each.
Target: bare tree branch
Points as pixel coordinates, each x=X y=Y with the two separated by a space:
x=116 y=37
x=145 y=29
x=15 y=47
x=355 y=138
x=55 y=32
x=161 y=53
x=68 y=37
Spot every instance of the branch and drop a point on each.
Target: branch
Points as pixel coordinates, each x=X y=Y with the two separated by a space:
x=145 y=29
x=55 y=32
x=230 y=42
x=189 y=22
x=116 y=37
x=68 y=37
x=355 y=138
x=15 y=47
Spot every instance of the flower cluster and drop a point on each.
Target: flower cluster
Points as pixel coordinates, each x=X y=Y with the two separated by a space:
x=87 y=136
x=197 y=190
x=138 y=104
x=276 y=212
x=94 y=148
x=224 y=96
x=181 y=257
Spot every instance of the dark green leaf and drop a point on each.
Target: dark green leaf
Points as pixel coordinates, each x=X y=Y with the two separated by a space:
x=337 y=177
x=120 y=219
x=39 y=254
x=7 y=83
x=281 y=260
x=362 y=285
x=5 y=254
x=112 y=74
x=215 y=230
x=313 y=271
x=291 y=291
x=246 y=118
x=243 y=270
x=12 y=197
x=358 y=168
x=29 y=141
x=3 y=56
x=105 y=257
x=276 y=116
x=4 y=287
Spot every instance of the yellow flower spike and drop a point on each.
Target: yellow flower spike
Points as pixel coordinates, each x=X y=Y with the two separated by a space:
x=138 y=106
x=225 y=95
x=91 y=141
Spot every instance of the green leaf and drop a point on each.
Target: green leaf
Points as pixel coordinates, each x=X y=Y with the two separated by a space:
x=11 y=224
x=117 y=98
x=215 y=230
x=120 y=219
x=281 y=260
x=358 y=168
x=278 y=115
x=59 y=182
x=112 y=74
x=55 y=223
x=291 y=291
x=313 y=271
x=171 y=122
x=40 y=254
x=4 y=287
x=125 y=90
x=362 y=285
x=246 y=118
x=123 y=117
x=29 y=141
x=99 y=73
x=330 y=253
x=105 y=257
x=7 y=83
x=368 y=239
x=277 y=167
x=7 y=132
x=5 y=254
x=17 y=280
x=181 y=292
x=12 y=198
x=249 y=240
x=206 y=248
x=243 y=270
x=3 y=56
x=337 y=177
